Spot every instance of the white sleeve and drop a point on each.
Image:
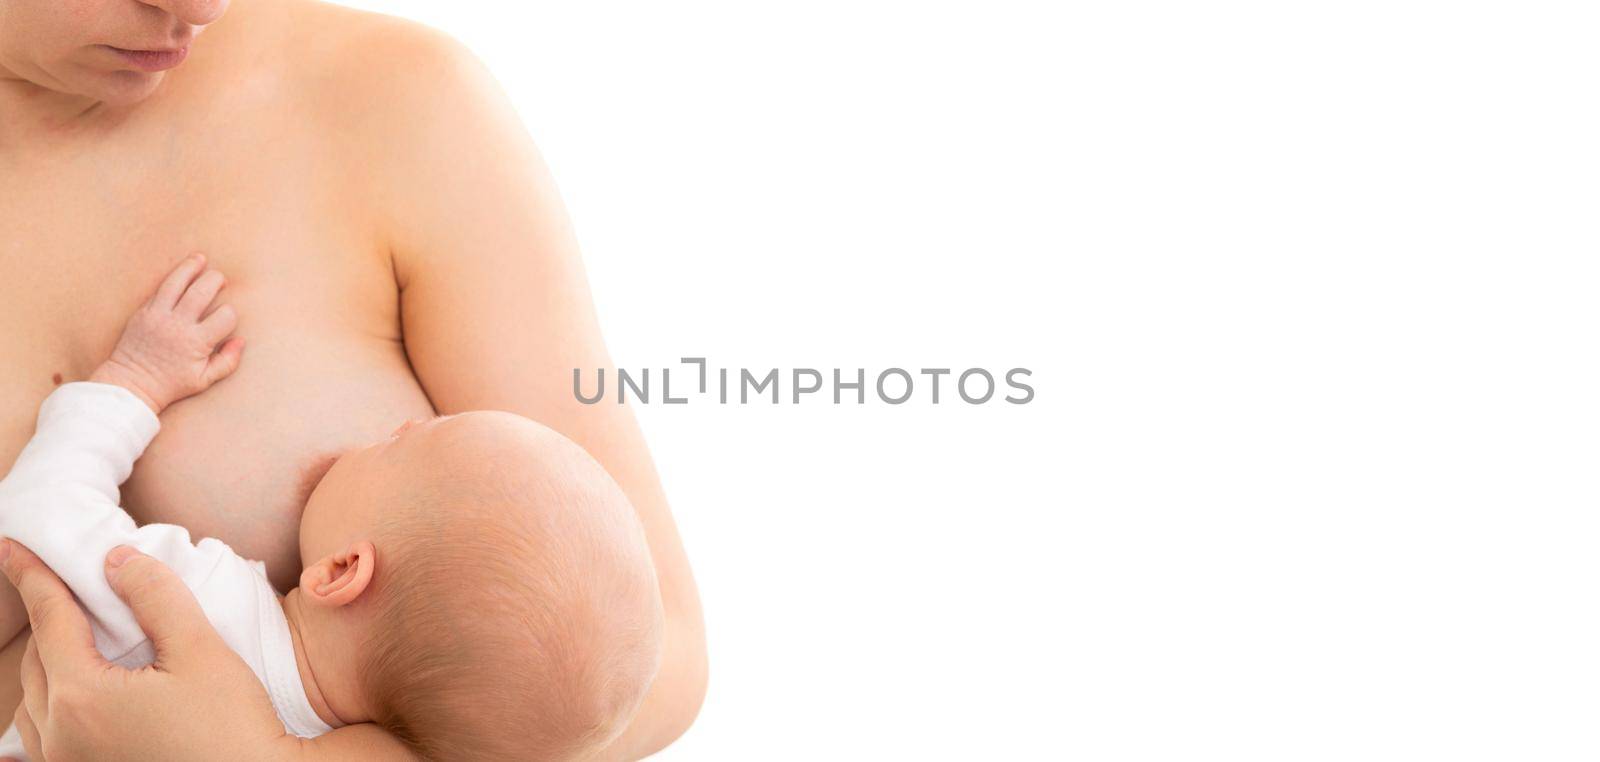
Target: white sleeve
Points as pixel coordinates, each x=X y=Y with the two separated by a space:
x=11 y=745
x=61 y=501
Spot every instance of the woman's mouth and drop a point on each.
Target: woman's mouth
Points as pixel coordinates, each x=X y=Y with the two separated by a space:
x=152 y=60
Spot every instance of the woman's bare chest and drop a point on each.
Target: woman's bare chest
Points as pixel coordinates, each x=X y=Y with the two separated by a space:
x=324 y=367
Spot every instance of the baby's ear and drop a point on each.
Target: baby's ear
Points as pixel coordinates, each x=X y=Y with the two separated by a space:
x=340 y=578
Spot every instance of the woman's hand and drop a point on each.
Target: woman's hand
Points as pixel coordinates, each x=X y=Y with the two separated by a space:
x=198 y=701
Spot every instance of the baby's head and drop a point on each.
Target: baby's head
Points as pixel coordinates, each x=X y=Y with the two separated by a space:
x=491 y=584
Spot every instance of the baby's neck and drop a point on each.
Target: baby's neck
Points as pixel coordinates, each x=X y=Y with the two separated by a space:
x=335 y=696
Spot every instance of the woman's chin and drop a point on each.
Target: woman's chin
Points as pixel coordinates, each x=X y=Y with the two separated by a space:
x=124 y=88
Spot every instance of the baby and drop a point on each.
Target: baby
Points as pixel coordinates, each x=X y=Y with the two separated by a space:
x=478 y=585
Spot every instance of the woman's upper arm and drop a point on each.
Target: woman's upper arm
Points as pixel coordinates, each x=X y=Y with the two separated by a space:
x=496 y=313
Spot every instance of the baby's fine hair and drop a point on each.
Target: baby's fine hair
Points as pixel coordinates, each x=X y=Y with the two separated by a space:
x=517 y=614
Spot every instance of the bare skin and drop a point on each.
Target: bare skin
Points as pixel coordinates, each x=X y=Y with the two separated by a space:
x=394 y=248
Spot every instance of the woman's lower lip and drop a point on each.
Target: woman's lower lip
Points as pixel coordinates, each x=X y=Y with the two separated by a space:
x=152 y=60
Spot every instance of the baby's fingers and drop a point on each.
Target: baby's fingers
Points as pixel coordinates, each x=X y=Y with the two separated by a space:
x=219 y=325
x=173 y=287
x=225 y=361
x=200 y=295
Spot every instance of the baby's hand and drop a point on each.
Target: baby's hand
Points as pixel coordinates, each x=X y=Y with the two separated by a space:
x=169 y=349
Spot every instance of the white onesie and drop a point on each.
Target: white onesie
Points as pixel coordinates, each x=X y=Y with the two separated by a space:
x=61 y=501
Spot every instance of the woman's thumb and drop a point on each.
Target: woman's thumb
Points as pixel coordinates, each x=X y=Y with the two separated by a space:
x=164 y=607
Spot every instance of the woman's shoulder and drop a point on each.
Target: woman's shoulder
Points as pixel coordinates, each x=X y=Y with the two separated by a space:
x=349 y=51
x=386 y=90
x=406 y=109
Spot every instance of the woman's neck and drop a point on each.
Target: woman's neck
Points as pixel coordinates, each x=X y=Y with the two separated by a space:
x=29 y=109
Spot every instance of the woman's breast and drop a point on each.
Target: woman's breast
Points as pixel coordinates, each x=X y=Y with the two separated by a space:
x=238 y=462
x=324 y=366
x=324 y=371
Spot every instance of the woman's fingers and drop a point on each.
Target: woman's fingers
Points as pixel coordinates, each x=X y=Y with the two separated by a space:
x=60 y=629
x=28 y=732
x=162 y=605
x=35 y=686
x=172 y=288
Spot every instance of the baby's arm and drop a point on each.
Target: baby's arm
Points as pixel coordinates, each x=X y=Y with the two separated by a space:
x=61 y=497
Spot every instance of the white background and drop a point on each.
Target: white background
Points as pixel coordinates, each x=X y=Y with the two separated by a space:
x=1309 y=294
